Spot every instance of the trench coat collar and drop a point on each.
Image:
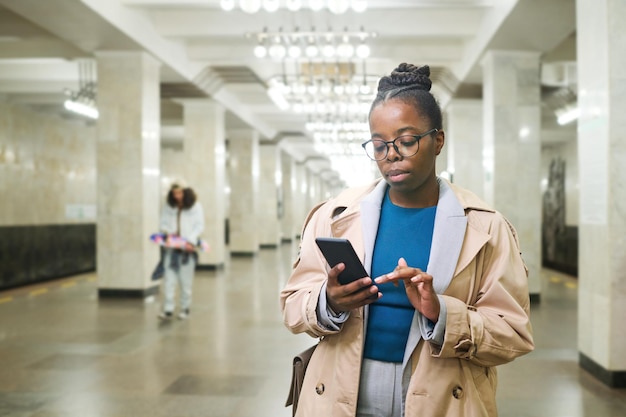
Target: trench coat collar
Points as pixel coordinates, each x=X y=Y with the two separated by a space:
x=448 y=236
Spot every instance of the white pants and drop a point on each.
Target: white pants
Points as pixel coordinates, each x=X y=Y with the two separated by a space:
x=380 y=391
x=183 y=276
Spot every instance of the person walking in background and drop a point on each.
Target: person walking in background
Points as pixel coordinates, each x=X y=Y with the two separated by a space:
x=446 y=299
x=182 y=216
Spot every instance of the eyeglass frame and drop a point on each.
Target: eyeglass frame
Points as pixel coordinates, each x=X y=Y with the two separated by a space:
x=395 y=147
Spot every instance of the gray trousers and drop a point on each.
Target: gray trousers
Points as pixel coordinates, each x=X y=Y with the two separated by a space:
x=183 y=276
x=380 y=391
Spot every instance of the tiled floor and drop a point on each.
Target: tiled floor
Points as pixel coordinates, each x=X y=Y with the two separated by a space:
x=64 y=353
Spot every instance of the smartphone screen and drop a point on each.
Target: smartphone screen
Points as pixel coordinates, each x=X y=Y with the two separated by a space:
x=337 y=250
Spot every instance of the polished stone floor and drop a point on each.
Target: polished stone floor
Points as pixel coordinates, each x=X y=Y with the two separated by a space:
x=64 y=353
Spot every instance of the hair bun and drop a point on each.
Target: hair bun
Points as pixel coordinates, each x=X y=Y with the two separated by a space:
x=407 y=75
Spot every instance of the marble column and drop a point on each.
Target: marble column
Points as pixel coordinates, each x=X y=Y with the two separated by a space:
x=243 y=170
x=288 y=232
x=464 y=141
x=300 y=200
x=512 y=149
x=270 y=189
x=205 y=172
x=601 y=54
x=128 y=155
x=313 y=189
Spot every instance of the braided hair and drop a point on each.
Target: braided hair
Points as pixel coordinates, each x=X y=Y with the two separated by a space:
x=410 y=84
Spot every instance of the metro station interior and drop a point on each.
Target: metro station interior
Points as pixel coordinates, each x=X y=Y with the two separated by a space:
x=261 y=106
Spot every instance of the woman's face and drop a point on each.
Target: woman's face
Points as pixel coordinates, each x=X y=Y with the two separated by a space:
x=409 y=178
x=178 y=194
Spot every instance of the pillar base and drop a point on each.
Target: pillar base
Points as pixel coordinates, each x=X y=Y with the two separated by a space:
x=127 y=292
x=209 y=267
x=248 y=254
x=614 y=379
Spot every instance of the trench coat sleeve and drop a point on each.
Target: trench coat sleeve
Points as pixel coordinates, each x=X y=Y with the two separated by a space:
x=299 y=298
x=494 y=328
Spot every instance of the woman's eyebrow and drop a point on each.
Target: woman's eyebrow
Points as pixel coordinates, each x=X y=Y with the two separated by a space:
x=398 y=132
x=405 y=129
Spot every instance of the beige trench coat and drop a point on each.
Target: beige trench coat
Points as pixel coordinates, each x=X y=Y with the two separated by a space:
x=476 y=267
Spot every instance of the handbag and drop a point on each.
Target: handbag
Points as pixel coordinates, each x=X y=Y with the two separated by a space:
x=300 y=363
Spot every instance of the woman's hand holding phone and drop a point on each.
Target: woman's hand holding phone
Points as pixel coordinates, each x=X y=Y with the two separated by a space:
x=346 y=297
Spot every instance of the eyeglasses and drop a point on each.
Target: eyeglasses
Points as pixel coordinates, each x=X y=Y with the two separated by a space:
x=405 y=145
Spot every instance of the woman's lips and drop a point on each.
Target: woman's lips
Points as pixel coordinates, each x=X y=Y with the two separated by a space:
x=397 y=175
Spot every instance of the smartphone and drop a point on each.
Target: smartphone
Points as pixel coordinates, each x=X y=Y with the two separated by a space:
x=337 y=250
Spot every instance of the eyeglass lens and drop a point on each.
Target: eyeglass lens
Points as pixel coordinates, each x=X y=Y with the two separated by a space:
x=405 y=145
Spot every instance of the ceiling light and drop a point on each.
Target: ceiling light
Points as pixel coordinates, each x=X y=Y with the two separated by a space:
x=227 y=5
x=250 y=6
x=84 y=109
x=358 y=6
x=328 y=51
x=260 y=51
x=316 y=5
x=293 y=5
x=335 y=6
x=363 y=51
x=341 y=45
x=271 y=5
x=312 y=51
x=345 y=50
x=338 y=6
x=294 y=51
x=83 y=101
x=277 y=51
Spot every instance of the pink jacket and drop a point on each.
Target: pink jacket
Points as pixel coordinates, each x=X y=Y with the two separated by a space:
x=478 y=271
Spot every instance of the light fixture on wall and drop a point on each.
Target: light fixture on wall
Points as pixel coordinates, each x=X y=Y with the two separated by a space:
x=342 y=46
x=334 y=6
x=563 y=101
x=567 y=114
x=83 y=101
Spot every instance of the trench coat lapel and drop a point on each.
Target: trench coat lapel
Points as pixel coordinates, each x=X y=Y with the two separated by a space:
x=370 y=217
x=448 y=235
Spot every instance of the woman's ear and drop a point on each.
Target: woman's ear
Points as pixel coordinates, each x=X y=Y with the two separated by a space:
x=440 y=139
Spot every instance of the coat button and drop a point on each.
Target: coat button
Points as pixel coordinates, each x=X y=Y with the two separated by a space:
x=457 y=392
x=319 y=389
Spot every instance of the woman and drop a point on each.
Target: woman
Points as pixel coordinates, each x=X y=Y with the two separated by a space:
x=447 y=297
x=182 y=216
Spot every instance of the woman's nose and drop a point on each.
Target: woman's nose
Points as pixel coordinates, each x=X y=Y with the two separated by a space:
x=392 y=153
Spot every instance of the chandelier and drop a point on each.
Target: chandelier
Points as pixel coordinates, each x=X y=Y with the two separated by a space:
x=312 y=44
x=334 y=6
x=319 y=89
x=334 y=97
